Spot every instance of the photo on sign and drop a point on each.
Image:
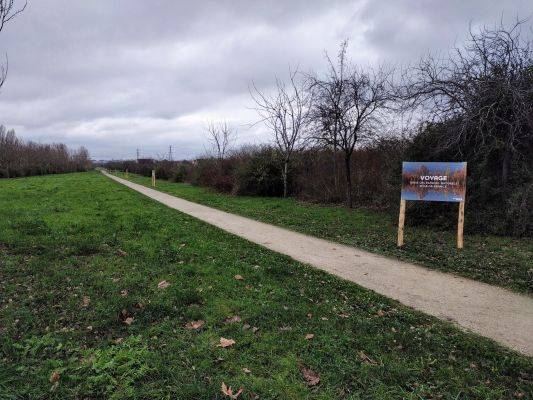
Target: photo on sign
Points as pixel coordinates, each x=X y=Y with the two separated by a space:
x=434 y=181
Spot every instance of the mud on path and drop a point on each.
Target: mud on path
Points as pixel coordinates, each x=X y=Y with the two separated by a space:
x=490 y=311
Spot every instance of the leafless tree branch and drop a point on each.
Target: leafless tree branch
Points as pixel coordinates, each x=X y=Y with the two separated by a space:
x=221 y=136
x=8 y=11
x=485 y=87
x=286 y=113
x=348 y=107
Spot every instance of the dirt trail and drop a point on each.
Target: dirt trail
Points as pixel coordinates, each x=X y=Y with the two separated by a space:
x=496 y=313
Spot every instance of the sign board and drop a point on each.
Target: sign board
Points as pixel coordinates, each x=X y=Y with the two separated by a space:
x=434 y=181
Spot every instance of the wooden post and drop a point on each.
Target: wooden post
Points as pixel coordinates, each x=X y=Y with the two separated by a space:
x=460 y=224
x=401 y=222
x=153 y=177
x=127 y=174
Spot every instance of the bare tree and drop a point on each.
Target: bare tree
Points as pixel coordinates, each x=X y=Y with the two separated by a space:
x=484 y=89
x=221 y=136
x=286 y=113
x=8 y=11
x=327 y=110
x=349 y=107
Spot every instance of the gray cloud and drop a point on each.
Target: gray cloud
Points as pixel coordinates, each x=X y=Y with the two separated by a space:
x=116 y=76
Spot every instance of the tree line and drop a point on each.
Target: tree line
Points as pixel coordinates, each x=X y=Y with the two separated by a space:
x=332 y=139
x=20 y=158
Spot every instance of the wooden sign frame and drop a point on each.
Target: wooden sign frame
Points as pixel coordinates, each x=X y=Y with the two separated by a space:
x=460 y=219
x=460 y=224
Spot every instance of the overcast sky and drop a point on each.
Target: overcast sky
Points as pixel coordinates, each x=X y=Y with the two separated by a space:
x=119 y=75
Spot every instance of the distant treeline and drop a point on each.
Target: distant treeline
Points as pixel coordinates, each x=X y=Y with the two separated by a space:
x=20 y=158
x=257 y=171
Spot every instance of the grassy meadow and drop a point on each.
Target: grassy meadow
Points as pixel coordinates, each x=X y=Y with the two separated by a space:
x=106 y=294
x=502 y=261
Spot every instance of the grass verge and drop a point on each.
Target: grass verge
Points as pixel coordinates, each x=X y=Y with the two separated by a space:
x=502 y=261
x=99 y=286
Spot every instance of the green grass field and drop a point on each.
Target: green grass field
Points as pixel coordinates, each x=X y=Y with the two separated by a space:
x=502 y=261
x=82 y=316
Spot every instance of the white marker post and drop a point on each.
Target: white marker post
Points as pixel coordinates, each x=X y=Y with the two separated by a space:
x=153 y=177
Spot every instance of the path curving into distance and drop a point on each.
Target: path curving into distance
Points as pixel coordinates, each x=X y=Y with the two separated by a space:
x=490 y=311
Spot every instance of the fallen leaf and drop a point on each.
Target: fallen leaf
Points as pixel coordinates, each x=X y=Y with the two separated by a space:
x=128 y=321
x=229 y=391
x=239 y=277
x=54 y=377
x=380 y=313
x=87 y=360
x=118 y=340
x=121 y=253
x=309 y=336
x=231 y=320
x=226 y=342
x=194 y=324
x=86 y=301
x=163 y=285
x=123 y=314
x=246 y=371
x=124 y=293
x=366 y=359
x=312 y=378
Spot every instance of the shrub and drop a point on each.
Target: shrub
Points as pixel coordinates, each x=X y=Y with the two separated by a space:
x=492 y=205
x=259 y=174
x=180 y=173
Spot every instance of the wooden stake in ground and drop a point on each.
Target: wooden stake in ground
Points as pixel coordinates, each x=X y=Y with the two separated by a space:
x=460 y=225
x=401 y=222
x=153 y=177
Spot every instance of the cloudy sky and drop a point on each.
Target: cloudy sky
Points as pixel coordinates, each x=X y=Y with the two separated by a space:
x=119 y=75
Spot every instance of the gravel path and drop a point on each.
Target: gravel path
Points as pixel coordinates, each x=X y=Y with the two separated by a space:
x=496 y=313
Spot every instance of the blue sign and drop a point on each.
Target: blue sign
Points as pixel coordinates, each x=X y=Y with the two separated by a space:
x=434 y=181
